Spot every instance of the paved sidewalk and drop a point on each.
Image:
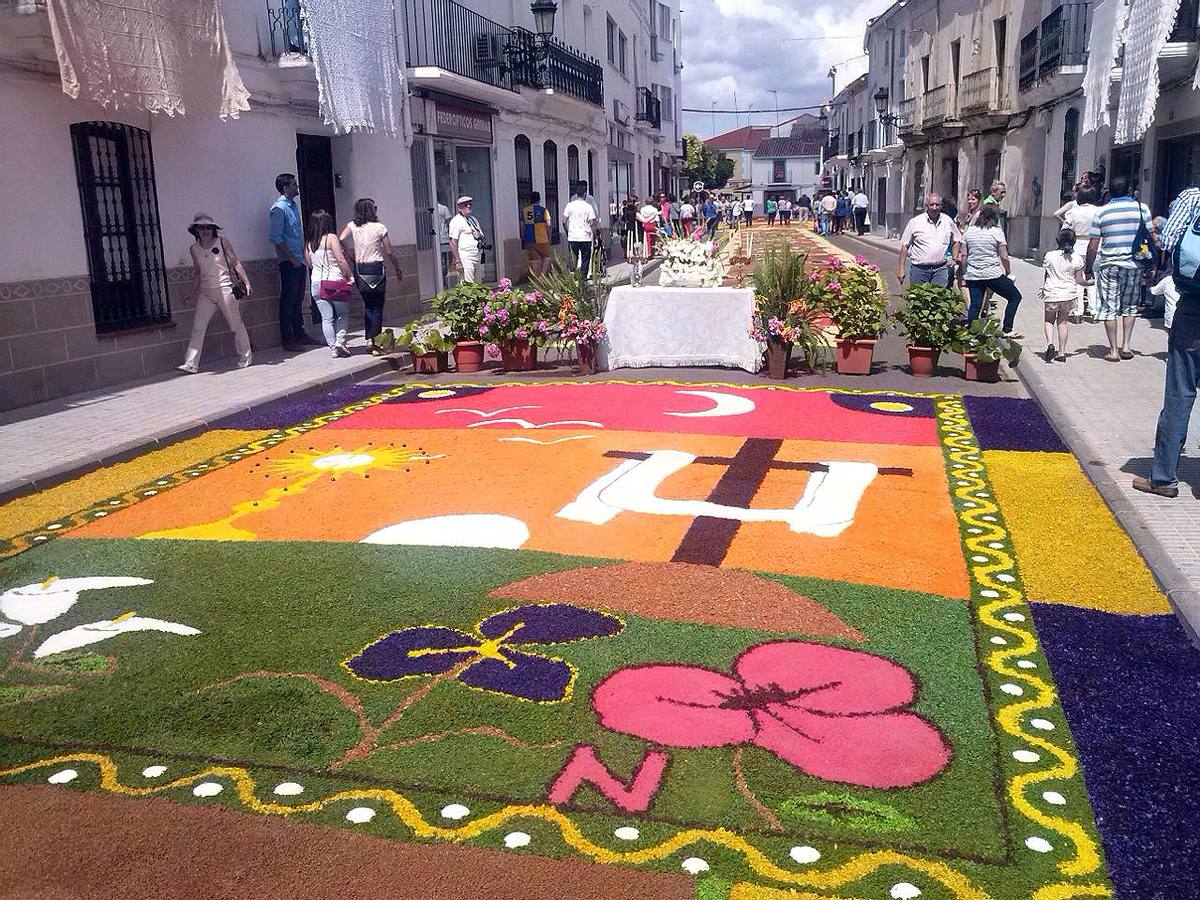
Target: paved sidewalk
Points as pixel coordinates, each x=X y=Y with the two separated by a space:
x=45 y=443
x=1107 y=414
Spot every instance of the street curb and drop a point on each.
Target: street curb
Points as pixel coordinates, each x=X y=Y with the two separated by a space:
x=1180 y=592
x=56 y=475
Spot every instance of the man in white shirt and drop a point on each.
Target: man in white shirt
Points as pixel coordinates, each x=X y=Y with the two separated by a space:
x=828 y=208
x=929 y=239
x=860 y=204
x=748 y=211
x=466 y=241
x=580 y=219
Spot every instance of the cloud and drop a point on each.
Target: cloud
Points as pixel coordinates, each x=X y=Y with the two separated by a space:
x=742 y=47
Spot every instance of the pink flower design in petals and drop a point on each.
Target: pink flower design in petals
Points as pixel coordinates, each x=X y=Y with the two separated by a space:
x=834 y=713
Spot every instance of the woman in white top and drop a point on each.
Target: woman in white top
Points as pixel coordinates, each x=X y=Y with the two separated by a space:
x=986 y=267
x=1077 y=215
x=213 y=260
x=327 y=263
x=370 y=245
x=1063 y=276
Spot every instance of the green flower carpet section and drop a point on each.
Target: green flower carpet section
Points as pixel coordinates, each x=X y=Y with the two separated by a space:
x=764 y=732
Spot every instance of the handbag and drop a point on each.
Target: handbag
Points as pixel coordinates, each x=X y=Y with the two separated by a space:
x=370 y=275
x=238 y=286
x=334 y=290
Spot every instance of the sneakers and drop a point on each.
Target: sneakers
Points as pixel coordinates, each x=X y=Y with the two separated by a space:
x=1014 y=335
x=190 y=370
x=340 y=349
x=245 y=362
x=1147 y=487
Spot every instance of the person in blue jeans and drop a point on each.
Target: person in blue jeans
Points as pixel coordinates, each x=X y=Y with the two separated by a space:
x=1183 y=347
x=986 y=267
x=287 y=235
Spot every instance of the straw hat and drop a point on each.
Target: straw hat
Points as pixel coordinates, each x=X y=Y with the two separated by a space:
x=202 y=219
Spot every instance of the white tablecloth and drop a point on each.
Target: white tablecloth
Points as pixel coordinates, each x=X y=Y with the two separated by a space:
x=657 y=326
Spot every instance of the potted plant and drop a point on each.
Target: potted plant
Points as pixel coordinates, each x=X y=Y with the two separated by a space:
x=930 y=320
x=461 y=310
x=517 y=321
x=428 y=340
x=580 y=310
x=982 y=345
x=857 y=303
x=788 y=312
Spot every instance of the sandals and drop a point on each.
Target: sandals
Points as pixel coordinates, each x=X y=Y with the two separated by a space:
x=1125 y=354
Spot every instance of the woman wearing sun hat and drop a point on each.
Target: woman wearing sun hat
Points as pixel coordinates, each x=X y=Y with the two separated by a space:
x=220 y=283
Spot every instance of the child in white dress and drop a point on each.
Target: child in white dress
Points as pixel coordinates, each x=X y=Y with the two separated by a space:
x=1063 y=276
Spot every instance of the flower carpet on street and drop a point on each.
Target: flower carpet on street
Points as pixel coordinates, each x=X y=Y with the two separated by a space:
x=770 y=641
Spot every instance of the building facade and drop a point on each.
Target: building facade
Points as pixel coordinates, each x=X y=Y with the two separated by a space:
x=106 y=297
x=993 y=91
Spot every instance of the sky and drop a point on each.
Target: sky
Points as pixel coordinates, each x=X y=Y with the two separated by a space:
x=747 y=48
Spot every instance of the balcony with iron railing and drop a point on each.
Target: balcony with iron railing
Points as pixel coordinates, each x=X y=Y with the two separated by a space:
x=1064 y=39
x=447 y=35
x=563 y=70
x=285 y=29
x=1027 y=65
x=649 y=108
x=910 y=115
x=983 y=92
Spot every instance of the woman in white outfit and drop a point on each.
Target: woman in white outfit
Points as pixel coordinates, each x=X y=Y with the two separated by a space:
x=327 y=262
x=213 y=261
x=1077 y=215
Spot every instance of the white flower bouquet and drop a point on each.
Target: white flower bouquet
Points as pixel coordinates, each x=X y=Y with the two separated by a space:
x=690 y=263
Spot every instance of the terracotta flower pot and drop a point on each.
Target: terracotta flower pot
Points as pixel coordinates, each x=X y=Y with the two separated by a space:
x=778 y=354
x=854 y=356
x=519 y=356
x=922 y=361
x=587 y=358
x=468 y=356
x=980 y=370
x=430 y=363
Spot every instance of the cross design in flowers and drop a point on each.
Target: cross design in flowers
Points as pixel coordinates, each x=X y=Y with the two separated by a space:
x=834 y=713
x=492 y=659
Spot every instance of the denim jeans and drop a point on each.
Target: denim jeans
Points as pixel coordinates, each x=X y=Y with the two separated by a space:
x=292 y=283
x=335 y=317
x=1179 y=395
x=939 y=275
x=1001 y=287
x=372 y=285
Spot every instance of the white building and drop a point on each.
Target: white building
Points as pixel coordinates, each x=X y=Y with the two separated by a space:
x=100 y=296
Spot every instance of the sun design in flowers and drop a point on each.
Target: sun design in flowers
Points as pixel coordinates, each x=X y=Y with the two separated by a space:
x=494 y=658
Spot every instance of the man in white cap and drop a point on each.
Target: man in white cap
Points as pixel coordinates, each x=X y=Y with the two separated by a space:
x=466 y=241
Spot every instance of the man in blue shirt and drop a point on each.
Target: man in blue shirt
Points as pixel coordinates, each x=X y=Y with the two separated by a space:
x=1183 y=349
x=1111 y=254
x=287 y=234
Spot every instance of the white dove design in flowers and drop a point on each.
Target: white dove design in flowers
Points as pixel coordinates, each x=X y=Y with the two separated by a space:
x=36 y=604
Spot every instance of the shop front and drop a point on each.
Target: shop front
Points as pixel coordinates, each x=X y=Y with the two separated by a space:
x=457 y=151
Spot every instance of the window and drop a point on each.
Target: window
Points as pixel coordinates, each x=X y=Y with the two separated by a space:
x=924 y=74
x=114 y=167
x=1070 y=150
x=524 y=166
x=572 y=166
x=591 y=158
x=664 y=23
x=550 y=198
x=612 y=41
x=621 y=44
x=778 y=171
x=918 y=201
x=666 y=98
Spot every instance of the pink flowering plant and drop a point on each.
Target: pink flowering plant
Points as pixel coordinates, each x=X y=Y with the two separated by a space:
x=854 y=295
x=511 y=315
x=789 y=305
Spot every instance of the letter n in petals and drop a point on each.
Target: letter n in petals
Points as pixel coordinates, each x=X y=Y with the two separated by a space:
x=583 y=766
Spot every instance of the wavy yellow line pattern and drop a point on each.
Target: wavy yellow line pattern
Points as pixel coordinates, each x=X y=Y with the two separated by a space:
x=986 y=539
x=837 y=876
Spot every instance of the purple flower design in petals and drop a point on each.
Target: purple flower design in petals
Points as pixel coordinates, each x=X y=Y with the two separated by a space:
x=490 y=659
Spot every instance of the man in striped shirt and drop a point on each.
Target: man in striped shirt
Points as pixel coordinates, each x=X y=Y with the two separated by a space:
x=1111 y=254
x=1183 y=357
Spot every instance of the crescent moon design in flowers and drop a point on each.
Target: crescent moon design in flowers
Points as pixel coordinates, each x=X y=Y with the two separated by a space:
x=723 y=405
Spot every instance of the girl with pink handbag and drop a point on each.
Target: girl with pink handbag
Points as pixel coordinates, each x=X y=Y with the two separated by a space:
x=330 y=279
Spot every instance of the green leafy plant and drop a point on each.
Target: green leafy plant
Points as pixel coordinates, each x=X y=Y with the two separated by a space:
x=428 y=334
x=461 y=309
x=788 y=307
x=931 y=315
x=984 y=340
x=856 y=299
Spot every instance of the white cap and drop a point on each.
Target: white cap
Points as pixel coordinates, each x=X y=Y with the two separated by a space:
x=462 y=200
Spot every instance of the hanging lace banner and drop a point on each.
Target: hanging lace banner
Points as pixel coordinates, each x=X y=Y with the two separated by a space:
x=1150 y=21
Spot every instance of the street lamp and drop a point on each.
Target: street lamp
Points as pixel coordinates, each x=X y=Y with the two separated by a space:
x=881 y=107
x=543 y=18
x=528 y=54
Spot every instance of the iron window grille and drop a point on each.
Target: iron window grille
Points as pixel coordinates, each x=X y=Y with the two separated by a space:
x=1070 y=151
x=550 y=201
x=286 y=28
x=114 y=167
x=524 y=165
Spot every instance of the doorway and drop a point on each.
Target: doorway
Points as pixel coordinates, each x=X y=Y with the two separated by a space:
x=431 y=221
x=314 y=170
x=465 y=170
x=880 y=217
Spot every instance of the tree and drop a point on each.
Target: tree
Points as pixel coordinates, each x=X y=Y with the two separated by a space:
x=702 y=163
